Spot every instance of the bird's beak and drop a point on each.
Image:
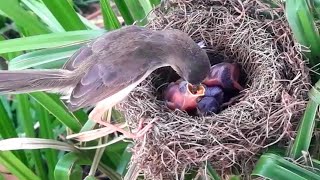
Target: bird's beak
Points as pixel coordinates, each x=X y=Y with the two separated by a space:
x=196 y=90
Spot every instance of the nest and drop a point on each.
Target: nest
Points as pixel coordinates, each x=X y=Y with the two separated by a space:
x=265 y=113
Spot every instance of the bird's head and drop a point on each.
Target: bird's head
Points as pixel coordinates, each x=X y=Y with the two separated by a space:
x=188 y=59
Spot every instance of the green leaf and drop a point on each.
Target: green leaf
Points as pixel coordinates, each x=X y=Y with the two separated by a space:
x=34 y=143
x=305 y=131
x=303 y=27
x=23 y=18
x=110 y=20
x=24 y=115
x=57 y=109
x=68 y=167
x=43 y=58
x=124 y=161
x=155 y=2
x=137 y=12
x=212 y=172
x=65 y=14
x=48 y=40
x=8 y=130
x=124 y=11
x=46 y=132
x=15 y=166
x=276 y=168
x=44 y=14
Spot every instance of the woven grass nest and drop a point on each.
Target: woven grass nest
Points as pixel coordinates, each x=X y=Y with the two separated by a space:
x=265 y=113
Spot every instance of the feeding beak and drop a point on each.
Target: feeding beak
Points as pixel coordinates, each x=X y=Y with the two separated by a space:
x=183 y=95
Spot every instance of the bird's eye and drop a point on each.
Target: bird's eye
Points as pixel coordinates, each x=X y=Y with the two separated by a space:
x=182 y=87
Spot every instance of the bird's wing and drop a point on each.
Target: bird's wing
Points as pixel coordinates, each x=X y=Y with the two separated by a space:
x=108 y=42
x=102 y=82
x=112 y=63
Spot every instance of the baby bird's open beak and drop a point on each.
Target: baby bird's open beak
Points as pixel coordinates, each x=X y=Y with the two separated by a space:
x=183 y=95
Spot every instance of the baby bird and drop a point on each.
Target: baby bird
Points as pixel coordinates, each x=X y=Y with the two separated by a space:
x=225 y=75
x=211 y=101
x=182 y=95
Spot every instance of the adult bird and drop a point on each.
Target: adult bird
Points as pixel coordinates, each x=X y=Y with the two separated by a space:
x=103 y=72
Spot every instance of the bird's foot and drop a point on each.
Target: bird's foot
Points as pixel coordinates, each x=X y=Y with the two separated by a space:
x=139 y=132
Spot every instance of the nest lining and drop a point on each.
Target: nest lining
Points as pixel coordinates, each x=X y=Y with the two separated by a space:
x=265 y=113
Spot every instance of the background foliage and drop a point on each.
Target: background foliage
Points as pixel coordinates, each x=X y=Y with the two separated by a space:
x=45 y=33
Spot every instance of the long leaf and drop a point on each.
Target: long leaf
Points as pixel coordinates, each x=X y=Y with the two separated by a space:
x=15 y=166
x=65 y=14
x=45 y=58
x=26 y=119
x=276 y=168
x=51 y=155
x=44 y=14
x=124 y=11
x=57 y=109
x=303 y=27
x=305 y=131
x=48 y=40
x=8 y=130
x=24 y=19
x=68 y=166
x=137 y=12
x=110 y=20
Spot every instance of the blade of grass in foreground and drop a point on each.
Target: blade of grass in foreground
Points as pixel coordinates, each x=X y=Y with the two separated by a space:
x=110 y=20
x=23 y=18
x=50 y=155
x=15 y=166
x=212 y=172
x=24 y=115
x=58 y=110
x=44 y=14
x=305 y=131
x=44 y=57
x=8 y=131
x=65 y=14
x=68 y=166
x=137 y=12
x=124 y=11
x=303 y=27
x=48 y=40
x=274 y=167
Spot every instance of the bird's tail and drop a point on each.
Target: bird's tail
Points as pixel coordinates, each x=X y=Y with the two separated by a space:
x=24 y=81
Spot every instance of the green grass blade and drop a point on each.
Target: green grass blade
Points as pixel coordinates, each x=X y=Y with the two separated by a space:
x=65 y=14
x=124 y=11
x=43 y=58
x=57 y=109
x=34 y=143
x=88 y=23
x=15 y=166
x=6 y=125
x=212 y=172
x=48 y=40
x=276 y=168
x=8 y=130
x=124 y=161
x=146 y=5
x=44 y=14
x=301 y=22
x=24 y=116
x=110 y=20
x=305 y=131
x=155 y=2
x=137 y=12
x=50 y=155
x=68 y=167
x=23 y=18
